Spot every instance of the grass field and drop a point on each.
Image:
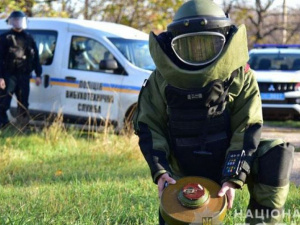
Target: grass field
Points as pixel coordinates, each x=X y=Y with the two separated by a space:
x=57 y=177
x=283 y=123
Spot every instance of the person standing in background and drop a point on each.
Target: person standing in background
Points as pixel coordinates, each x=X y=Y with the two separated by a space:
x=19 y=57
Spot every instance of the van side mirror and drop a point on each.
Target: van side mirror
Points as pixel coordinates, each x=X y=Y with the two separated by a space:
x=108 y=64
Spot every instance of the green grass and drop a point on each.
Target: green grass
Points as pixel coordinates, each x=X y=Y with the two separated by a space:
x=284 y=123
x=65 y=177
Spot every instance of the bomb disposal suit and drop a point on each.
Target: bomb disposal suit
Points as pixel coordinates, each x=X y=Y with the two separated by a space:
x=199 y=113
x=18 y=58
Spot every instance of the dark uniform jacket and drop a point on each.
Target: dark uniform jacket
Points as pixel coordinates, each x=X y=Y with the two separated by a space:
x=18 y=54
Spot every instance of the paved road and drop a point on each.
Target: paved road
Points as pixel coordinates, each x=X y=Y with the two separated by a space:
x=291 y=135
x=288 y=135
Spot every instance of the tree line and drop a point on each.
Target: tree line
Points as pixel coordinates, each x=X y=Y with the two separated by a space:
x=265 y=22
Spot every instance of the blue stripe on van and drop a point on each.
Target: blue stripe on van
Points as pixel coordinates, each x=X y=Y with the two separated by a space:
x=64 y=82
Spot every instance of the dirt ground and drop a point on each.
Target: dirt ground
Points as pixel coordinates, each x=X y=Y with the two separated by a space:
x=289 y=135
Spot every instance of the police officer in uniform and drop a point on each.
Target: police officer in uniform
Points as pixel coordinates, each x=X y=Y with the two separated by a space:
x=18 y=58
x=199 y=113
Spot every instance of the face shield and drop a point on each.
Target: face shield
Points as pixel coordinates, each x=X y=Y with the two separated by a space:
x=198 y=48
x=17 y=22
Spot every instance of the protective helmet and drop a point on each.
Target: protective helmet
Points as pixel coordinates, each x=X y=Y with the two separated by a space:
x=199 y=30
x=18 y=20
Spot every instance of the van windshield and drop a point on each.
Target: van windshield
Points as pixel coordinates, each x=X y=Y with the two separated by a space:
x=275 y=61
x=136 y=51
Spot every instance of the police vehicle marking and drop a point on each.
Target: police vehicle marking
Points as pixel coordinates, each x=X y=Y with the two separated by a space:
x=89 y=96
x=89 y=108
x=105 y=86
x=272 y=96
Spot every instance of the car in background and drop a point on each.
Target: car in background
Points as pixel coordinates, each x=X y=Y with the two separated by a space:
x=277 y=69
x=92 y=71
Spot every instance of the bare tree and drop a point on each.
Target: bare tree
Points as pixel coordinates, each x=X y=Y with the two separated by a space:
x=6 y=6
x=265 y=23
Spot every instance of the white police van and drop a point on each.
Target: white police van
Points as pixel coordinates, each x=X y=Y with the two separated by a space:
x=277 y=68
x=92 y=71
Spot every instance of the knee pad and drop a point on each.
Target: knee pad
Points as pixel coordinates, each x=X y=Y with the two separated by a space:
x=271 y=183
x=275 y=165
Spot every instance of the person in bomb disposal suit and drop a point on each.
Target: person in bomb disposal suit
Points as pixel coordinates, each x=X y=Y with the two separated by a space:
x=18 y=58
x=201 y=108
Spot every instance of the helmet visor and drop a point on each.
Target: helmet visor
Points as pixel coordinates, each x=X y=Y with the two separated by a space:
x=198 y=48
x=17 y=22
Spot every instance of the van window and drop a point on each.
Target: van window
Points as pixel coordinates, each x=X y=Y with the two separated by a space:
x=275 y=61
x=87 y=53
x=135 y=51
x=46 y=43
